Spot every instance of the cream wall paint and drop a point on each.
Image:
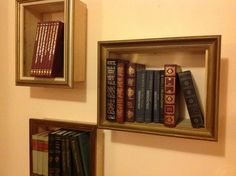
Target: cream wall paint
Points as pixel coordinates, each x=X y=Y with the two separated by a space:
x=126 y=154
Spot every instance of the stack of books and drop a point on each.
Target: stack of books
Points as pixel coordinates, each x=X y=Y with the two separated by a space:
x=61 y=152
x=48 y=51
x=137 y=94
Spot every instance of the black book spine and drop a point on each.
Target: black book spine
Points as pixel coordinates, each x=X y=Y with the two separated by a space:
x=51 y=154
x=156 y=96
x=162 y=80
x=111 y=87
x=140 y=96
x=191 y=99
x=149 y=96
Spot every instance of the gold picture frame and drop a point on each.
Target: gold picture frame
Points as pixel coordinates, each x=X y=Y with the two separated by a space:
x=200 y=54
x=74 y=15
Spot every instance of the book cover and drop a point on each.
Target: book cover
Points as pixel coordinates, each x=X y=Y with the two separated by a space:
x=170 y=95
x=140 y=96
x=191 y=99
x=149 y=96
x=131 y=74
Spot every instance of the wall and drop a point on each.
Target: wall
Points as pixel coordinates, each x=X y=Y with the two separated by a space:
x=125 y=153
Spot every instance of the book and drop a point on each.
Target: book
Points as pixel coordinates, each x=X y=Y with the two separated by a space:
x=131 y=75
x=171 y=95
x=35 y=152
x=76 y=156
x=84 y=144
x=191 y=99
x=162 y=84
x=111 y=85
x=51 y=152
x=149 y=96
x=157 y=96
x=120 y=91
x=48 y=50
x=140 y=96
x=56 y=51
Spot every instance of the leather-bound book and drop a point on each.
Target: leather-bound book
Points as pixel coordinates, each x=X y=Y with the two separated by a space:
x=157 y=93
x=171 y=95
x=120 y=92
x=191 y=99
x=111 y=84
x=149 y=96
x=131 y=74
x=140 y=96
x=56 y=51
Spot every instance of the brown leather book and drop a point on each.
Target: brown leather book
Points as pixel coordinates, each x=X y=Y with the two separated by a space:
x=131 y=71
x=171 y=95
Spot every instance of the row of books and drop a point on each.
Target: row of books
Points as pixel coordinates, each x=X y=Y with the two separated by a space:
x=61 y=153
x=137 y=94
x=48 y=51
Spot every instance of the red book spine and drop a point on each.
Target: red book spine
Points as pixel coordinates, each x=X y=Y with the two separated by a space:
x=170 y=95
x=50 y=59
x=41 y=55
x=49 y=43
x=120 y=101
x=35 y=52
x=45 y=60
x=131 y=70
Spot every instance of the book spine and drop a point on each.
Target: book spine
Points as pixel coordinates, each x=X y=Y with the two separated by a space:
x=191 y=99
x=76 y=156
x=57 y=55
x=45 y=59
x=162 y=85
x=131 y=70
x=84 y=143
x=41 y=58
x=35 y=53
x=156 y=96
x=45 y=155
x=170 y=96
x=149 y=96
x=51 y=153
x=39 y=50
x=140 y=96
x=111 y=84
x=120 y=92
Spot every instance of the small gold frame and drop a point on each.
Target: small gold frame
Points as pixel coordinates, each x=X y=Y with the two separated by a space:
x=74 y=15
x=200 y=54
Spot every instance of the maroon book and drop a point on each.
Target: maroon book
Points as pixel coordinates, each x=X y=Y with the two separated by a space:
x=170 y=95
x=131 y=70
x=120 y=92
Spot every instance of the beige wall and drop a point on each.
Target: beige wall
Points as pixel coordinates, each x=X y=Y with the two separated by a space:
x=126 y=154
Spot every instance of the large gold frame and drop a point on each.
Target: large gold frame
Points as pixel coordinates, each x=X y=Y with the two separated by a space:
x=150 y=51
x=74 y=15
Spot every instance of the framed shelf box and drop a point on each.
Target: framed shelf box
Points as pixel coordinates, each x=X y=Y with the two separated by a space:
x=199 y=54
x=73 y=13
x=41 y=125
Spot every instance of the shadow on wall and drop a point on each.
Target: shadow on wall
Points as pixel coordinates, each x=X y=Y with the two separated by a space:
x=78 y=93
x=181 y=144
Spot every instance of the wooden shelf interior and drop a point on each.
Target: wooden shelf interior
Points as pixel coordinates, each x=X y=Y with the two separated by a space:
x=32 y=13
x=40 y=125
x=196 y=55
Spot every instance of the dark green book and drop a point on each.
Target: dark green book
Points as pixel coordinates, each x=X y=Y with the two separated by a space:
x=84 y=145
x=140 y=96
x=76 y=156
x=149 y=96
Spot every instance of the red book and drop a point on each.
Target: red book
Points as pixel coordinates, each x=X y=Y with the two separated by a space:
x=120 y=99
x=170 y=95
x=131 y=70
